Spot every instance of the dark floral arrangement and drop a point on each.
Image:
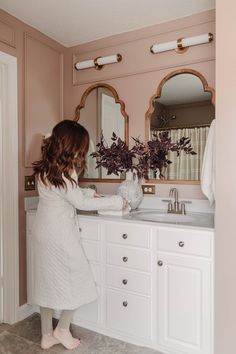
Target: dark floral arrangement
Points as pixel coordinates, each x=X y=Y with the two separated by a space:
x=118 y=158
x=159 y=147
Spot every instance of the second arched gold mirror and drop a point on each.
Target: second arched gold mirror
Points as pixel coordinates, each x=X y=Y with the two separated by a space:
x=101 y=112
x=184 y=106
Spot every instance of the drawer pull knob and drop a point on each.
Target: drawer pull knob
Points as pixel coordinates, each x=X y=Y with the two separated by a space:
x=125 y=236
x=160 y=263
x=181 y=244
x=125 y=303
x=125 y=259
x=80 y=230
x=124 y=281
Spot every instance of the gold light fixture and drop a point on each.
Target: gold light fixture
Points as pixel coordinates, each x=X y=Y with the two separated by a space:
x=182 y=44
x=98 y=62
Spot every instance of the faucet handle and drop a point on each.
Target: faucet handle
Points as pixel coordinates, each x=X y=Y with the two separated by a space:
x=182 y=208
x=170 y=207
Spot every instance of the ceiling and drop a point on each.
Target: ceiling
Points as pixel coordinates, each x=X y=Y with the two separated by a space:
x=73 y=22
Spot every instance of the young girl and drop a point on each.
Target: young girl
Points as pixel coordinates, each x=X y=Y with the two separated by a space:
x=62 y=276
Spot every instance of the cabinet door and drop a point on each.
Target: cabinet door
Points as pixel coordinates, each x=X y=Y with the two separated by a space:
x=88 y=314
x=184 y=304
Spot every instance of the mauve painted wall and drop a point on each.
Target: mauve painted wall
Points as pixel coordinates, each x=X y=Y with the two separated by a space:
x=40 y=77
x=137 y=77
x=225 y=241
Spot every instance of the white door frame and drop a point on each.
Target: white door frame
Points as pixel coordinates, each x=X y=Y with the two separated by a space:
x=9 y=209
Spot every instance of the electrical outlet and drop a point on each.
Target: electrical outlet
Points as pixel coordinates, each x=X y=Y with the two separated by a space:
x=149 y=189
x=29 y=183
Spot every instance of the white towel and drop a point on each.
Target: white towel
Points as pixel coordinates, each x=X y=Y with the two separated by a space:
x=208 y=165
x=115 y=212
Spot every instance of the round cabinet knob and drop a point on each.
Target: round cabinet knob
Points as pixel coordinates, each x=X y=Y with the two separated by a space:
x=125 y=303
x=124 y=281
x=160 y=263
x=125 y=259
x=181 y=244
x=80 y=230
x=125 y=236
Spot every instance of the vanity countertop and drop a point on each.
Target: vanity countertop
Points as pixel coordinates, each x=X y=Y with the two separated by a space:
x=202 y=221
x=197 y=220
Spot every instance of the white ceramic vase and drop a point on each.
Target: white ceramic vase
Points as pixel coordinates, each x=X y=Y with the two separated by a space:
x=131 y=190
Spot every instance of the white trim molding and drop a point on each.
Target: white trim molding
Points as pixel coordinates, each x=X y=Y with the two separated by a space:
x=27 y=310
x=9 y=208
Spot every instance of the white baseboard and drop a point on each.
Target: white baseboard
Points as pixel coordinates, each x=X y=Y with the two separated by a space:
x=26 y=310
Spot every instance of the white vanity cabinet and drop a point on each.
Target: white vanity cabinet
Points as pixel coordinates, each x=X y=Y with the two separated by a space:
x=155 y=283
x=185 y=290
x=91 y=242
x=128 y=279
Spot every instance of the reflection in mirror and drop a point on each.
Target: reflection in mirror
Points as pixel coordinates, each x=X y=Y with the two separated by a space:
x=183 y=107
x=101 y=112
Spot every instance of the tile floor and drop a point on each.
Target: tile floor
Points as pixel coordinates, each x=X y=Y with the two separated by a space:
x=24 y=338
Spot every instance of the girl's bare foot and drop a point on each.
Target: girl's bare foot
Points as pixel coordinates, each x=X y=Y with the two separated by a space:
x=65 y=338
x=48 y=340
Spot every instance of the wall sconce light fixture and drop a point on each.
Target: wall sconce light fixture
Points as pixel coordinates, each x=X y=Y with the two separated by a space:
x=98 y=62
x=182 y=44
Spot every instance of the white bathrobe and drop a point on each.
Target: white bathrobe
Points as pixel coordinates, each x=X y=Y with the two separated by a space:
x=62 y=275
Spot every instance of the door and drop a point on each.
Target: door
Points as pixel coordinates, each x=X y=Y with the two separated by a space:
x=1 y=185
x=184 y=304
x=9 y=215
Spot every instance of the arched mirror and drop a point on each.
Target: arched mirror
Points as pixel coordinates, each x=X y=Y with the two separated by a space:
x=101 y=112
x=184 y=107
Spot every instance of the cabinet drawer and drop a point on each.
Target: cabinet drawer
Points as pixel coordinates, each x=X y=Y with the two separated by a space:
x=127 y=234
x=185 y=241
x=128 y=257
x=128 y=280
x=92 y=250
x=128 y=313
x=89 y=229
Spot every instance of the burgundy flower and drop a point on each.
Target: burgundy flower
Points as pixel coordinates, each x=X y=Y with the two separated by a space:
x=118 y=158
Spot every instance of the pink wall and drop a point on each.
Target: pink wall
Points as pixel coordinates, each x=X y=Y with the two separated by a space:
x=137 y=77
x=40 y=85
x=225 y=242
x=40 y=77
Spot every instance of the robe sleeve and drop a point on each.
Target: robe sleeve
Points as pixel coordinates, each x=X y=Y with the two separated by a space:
x=88 y=192
x=80 y=199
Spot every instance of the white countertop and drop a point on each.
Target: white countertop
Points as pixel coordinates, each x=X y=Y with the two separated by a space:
x=203 y=220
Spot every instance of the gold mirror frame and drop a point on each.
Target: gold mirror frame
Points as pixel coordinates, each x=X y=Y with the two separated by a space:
x=206 y=88
x=123 y=112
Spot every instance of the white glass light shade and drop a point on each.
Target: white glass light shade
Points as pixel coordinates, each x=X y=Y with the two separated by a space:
x=85 y=64
x=163 y=47
x=111 y=59
x=190 y=41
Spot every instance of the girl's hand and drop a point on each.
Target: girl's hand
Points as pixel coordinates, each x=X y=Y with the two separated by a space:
x=96 y=195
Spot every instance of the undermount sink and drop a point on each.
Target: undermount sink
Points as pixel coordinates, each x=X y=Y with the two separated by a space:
x=160 y=216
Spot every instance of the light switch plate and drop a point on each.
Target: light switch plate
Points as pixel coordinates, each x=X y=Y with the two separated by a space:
x=149 y=189
x=29 y=183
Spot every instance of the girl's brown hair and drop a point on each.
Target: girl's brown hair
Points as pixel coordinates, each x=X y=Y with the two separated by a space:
x=62 y=152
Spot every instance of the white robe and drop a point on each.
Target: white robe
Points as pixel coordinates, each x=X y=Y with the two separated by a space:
x=62 y=275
